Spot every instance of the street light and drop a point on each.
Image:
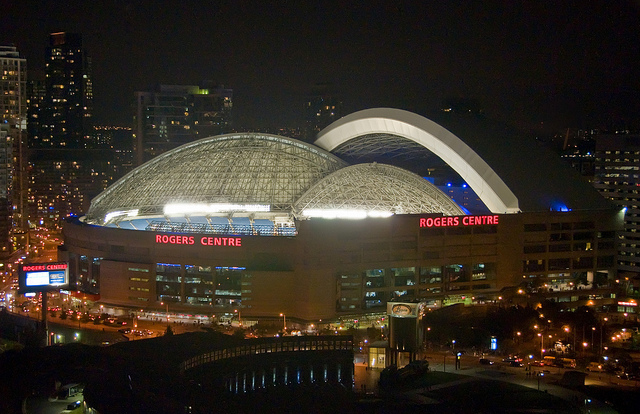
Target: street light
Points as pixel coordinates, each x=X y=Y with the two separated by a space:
x=541 y=346
x=162 y=303
x=284 y=321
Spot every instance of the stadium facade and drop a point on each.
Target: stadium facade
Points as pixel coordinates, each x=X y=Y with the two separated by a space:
x=267 y=225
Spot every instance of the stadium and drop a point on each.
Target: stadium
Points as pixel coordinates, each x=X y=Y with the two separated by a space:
x=385 y=205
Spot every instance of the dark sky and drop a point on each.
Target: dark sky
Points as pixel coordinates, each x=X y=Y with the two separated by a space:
x=536 y=64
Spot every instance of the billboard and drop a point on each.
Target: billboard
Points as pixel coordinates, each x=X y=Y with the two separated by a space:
x=38 y=277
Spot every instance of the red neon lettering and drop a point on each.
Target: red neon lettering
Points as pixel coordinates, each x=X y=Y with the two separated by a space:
x=455 y=221
x=31 y=268
x=173 y=239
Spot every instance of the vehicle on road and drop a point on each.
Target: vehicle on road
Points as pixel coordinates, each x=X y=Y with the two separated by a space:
x=485 y=361
x=595 y=367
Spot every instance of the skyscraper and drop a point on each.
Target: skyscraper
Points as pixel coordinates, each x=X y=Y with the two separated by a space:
x=13 y=78
x=68 y=101
x=617 y=177
x=64 y=172
x=320 y=109
x=173 y=115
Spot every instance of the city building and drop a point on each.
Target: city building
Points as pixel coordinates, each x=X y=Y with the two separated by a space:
x=617 y=177
x=177 y=114
x=268 y=225
x=67 y=108
x=65 y=168
x=320 y=109
x=13 y=121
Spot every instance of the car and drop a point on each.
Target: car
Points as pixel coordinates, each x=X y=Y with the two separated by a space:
x=594 y=367
x=485 y=361
x=517 y=364
x=124 y=330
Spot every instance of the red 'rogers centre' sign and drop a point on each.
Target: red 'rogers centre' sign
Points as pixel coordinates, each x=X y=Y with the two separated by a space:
x=44 y=267
x=455 y=221
x=205 y=241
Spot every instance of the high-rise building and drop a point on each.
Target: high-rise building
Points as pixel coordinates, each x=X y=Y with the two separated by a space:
x=617 y=177
x=13 y=111
x=68 y=101
x=173 y=115
x=36 y=93
x=65 y=170
x=6 y=168
x=320 y=109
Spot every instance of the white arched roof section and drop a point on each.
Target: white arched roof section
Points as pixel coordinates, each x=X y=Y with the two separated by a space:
x=493 y=192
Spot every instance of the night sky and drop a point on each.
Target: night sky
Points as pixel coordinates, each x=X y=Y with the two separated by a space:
x=539 y=65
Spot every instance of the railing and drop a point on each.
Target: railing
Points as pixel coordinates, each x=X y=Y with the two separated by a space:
x=240 y=229
x=271 y=345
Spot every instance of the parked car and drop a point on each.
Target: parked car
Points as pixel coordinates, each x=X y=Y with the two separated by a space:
x=485 y=361
x=595 y=367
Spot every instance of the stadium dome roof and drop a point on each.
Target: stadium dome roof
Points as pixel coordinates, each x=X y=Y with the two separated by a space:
x=260 y=176
x=508 y=171
x=375 y=189
x=243 y=177
x=236 y=169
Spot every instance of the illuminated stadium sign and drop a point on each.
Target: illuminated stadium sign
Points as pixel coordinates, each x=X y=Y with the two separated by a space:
x=458 y=221
x=204 y=241
x=43 y=276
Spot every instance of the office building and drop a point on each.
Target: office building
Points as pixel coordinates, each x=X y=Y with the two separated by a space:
x=177 y=114
x=65 y=168
x=67 y=110
x=617 y=177
x=320 y=109
x=13 y=114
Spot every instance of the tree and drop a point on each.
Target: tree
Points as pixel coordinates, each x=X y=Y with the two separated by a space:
x=169 y=331
x=238 y=333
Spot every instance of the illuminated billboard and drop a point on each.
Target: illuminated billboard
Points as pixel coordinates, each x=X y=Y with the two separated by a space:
x=37 y=277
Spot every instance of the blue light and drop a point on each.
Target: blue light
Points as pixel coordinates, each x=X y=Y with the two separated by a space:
x=464 y=185
x=558 y=206
x=448 y=184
